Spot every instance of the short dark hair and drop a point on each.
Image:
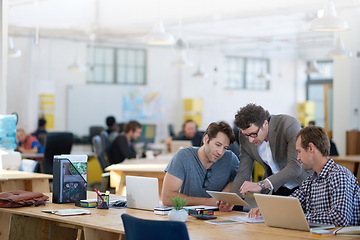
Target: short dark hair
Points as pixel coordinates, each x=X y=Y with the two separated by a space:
x=251 y=114
x=317 y=136
x=110 y=120
x=132 y=126
x=189 y=121
x=214 y=128
x=41 y=122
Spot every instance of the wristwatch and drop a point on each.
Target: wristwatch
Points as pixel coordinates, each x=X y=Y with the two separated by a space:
x=262 y=185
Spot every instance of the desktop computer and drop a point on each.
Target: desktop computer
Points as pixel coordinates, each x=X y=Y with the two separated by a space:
x=147 y=135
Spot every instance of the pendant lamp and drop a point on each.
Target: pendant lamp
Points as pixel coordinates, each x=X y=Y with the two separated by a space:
x=77 y=66
x=339 y=51
x=312 y=68
x=12 y=52
x=158 y=36
x=329 y=22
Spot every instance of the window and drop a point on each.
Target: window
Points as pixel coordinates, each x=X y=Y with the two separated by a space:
x=116 y=65
x=244 y=73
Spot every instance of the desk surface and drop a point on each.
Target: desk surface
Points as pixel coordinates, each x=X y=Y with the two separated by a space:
x=15 y=175
x=347 y=158
x=110 y=221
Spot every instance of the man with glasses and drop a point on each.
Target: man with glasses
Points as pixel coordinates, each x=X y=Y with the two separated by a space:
x=270 y=140
x=194 y=170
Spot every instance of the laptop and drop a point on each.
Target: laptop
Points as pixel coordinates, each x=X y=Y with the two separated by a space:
x=179 y=144
x=285 y=212
x=142 y=192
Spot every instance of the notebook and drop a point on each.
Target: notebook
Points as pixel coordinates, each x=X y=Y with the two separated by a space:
x=142 y=192
x=178 y=144
x=285 y=212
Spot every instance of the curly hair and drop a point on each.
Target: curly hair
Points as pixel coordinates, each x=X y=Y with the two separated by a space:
x=251 y=114
x=214 y=128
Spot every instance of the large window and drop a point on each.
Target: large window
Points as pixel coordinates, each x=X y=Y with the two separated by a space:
x=116 y=65
x=247 y=73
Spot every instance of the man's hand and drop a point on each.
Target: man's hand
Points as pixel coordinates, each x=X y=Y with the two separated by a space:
x=249 y=187
x=254 y=213
x=225 y=207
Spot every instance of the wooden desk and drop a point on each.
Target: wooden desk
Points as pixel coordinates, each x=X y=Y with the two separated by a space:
x=30 y=223
x=17 y=180
x=351 y=162
x=138 y=167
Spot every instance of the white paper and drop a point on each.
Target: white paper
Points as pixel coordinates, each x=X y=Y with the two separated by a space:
x=245 y=218
x=68 y=212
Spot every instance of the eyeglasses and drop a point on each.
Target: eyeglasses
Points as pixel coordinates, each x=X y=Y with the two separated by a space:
x=253 y=135
x=206 y=179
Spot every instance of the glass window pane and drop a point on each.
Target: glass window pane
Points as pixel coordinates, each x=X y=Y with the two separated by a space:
x=109 y=56
x=131 y=75
x=316 y=94
x=131 y=58
x=108 y=74
x=99 y=56
x=98 y=74
x=121 y=57
x=121 y=75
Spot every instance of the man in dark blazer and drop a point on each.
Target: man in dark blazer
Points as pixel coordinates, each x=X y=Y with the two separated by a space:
x=270 y=140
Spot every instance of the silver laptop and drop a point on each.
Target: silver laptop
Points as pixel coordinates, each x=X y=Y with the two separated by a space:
x=285 y=212
x=179 y=144
x=142 y=192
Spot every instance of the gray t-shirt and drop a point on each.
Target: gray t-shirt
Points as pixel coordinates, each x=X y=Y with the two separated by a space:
x=187 y=166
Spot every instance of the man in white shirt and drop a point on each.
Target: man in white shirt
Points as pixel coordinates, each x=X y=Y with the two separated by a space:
x=270 y=140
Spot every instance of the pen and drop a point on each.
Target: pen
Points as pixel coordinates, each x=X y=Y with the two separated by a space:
x=99 y=194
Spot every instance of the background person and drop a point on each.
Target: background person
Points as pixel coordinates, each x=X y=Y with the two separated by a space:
x=123 y=145
x=27 y=143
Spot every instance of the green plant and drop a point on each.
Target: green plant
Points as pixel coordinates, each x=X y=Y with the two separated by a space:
x=178 y=203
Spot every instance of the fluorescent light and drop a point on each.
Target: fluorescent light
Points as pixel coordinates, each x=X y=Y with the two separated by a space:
x=77 y=66
x=158 y=36
x=330 y=22
x=12 y=52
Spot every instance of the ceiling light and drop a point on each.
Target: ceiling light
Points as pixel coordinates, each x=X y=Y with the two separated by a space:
x=200 y=73
x=12 y=52
x=77 y=66
x=312 y=68
x=182 y=61
x=339 y=51
x=330 y=22
x=158 y=36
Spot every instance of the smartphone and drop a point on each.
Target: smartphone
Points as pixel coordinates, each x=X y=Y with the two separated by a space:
x=203 y=217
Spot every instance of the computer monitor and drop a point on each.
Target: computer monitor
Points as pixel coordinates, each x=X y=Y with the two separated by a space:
x=148 y=133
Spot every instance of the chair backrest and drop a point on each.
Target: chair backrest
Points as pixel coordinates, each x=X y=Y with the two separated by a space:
x=105 y=140
x=28 y=165
x=95 y=130
x=100 y=152
x=138 y=229
x=57 y=143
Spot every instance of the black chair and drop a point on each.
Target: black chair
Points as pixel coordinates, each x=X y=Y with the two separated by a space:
x=139 y=229
x=57 y=143
x=100 y=155
x=105 y=142
x=95 y=130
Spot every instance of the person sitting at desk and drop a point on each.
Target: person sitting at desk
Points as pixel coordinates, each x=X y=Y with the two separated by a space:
x=194 y=170
x=40 y=132
x=122 y=147
x=27 y=143
x=189 y=132
x=332 y=194
x=113 y=128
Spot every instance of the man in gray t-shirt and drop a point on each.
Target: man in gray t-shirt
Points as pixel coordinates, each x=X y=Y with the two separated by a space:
x=193 y=170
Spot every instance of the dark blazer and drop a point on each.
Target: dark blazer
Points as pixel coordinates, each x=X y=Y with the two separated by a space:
x=282 y=140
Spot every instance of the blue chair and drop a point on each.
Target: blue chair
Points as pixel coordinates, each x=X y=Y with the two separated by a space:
x=139 y=229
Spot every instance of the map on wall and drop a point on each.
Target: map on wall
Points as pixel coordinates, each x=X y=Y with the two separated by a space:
x=142 y=104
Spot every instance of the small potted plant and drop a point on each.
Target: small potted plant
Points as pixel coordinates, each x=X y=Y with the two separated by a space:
x=178 y=213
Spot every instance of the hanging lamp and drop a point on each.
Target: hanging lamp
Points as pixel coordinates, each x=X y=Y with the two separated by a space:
x=77 y=66
x=339 y=51
x=329 y=22
x=158 y=36
x=312 y=68
x=12 y=52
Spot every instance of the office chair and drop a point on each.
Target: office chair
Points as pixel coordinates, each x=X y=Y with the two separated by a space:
x=100 y=155
x=93 y=131
x=171 y=130
x=57 y=143
x=28 y=165
x=138 y=229
x=105 y=142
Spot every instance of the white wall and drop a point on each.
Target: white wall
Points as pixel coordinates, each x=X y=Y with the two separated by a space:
x=43 y=69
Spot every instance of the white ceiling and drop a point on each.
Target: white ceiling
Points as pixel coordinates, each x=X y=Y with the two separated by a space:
x=235 y=24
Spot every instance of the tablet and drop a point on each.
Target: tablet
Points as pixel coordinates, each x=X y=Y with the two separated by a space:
x=231 y=198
